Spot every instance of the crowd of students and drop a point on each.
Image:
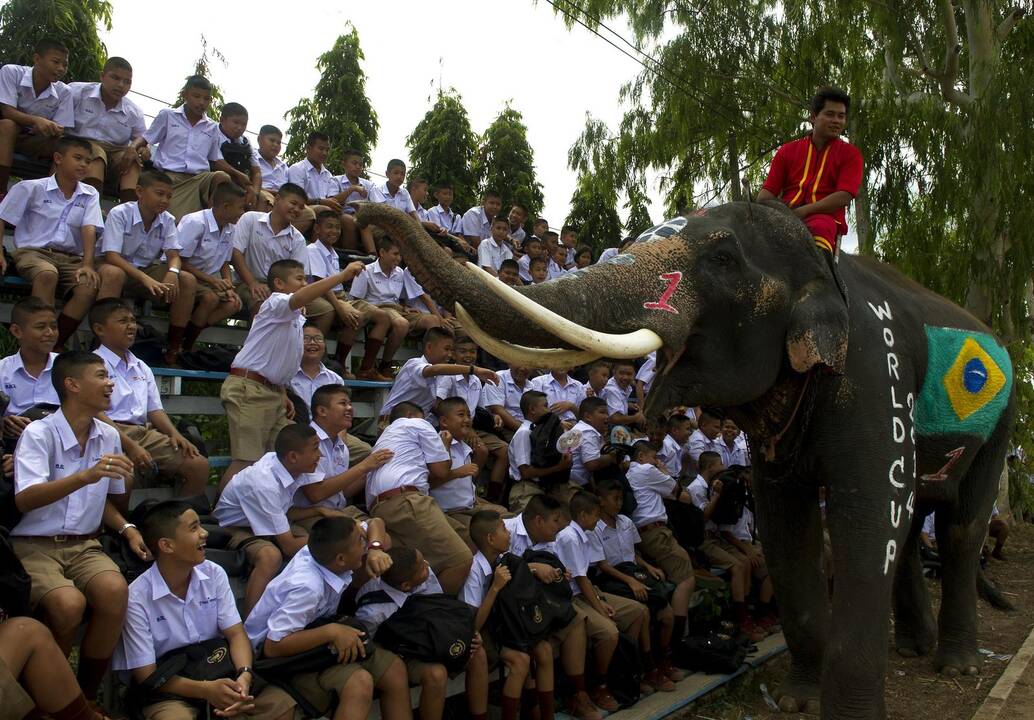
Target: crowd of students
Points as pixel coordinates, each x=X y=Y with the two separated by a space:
x=453 y=484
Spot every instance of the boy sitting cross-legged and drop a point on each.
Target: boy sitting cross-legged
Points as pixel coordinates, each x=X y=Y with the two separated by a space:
x=254 y=394
x=309 y=590
x=182 y=600
x=206 y=238
x=136 y=237
x=606 y=614
x=410 y=574
x=399 y=493
x=457 y=496
x=136 y=405
x=486 y=579
x=57 y=220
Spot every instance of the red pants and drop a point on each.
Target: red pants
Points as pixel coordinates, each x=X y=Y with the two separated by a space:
x=824 y=229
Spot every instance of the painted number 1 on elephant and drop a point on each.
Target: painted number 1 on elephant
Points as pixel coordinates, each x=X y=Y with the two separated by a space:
x=673 y=278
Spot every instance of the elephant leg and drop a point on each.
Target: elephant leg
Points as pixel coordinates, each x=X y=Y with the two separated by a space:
x=960 y=534
x=915 y=631
x=791 y=530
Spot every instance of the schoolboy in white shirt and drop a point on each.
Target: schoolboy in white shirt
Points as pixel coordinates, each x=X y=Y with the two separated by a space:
x=35 y=106
x=563 y=392
x=312 y=374
x=25 y=376
x=644 y=378
x=253 y=395
x=312 y=175
x=310 y=589
x=504 y=400
x=274 y=170
x=181 y=600
x=495 y=248
x=68 y=467
x=477 y=221
x=355 y=187
x=675 y=447
x=442 y=214
x=731 y=445
x=391 y=192
x=617 y=391
x=596 y=378
x=57 y=220
x=207 y=246
x=586 y=457
x=524 y=475
x=706 y=437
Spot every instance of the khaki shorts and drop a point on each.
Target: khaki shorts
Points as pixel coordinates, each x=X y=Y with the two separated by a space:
x=35 y=145
x=111 y=156
x=134 y=288
x=242 y=538
x=15 y=703
x=410 y=315
x=190 y=193
x=717 y=555
x=559 y=636
x=30 y=262
x=255 y=414
x=598 y=626
x=165 y=456
x=462 y=516
x=521 y=493
x=321 y=688
x=358 y=450
x=659 y=546
x=416 y=521
x=758 y=573
x=53 y=564
x=271 y=703
x=492 y=441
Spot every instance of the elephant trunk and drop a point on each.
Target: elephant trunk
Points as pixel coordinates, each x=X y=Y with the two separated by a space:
x=573 y=317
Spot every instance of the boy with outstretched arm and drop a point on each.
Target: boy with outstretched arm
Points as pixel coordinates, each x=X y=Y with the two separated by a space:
x=25 y=376
x=487 y=578
x=411 y=574
x=254 y=394
x=57 y=220
x=524 y=475
x=606 y=614
x=618 y=537
x=309 y=590
x=136 y=237
x=416 y=381
x=36 y=108
x=182 y=600
x=136 y=405
x=188 y=148
x=68 y=468
x=398 y=492
x=207 y=246
x=324 y=261
x=536 y=528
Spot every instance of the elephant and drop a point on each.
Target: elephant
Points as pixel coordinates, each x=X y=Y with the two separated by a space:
x=843 y=373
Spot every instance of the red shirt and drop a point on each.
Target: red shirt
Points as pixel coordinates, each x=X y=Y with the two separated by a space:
x=801 y=174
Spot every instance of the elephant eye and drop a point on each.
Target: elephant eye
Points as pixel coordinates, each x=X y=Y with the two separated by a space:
x=723 y=258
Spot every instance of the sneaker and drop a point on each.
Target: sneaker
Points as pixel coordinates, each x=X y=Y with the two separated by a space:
x=581 y=707
x=658 y=681
x=602 y=699
x=372 y=375
x=770 y=624
x=645 y=689
x=170 y=359
x=752 y=632
x=671 y=672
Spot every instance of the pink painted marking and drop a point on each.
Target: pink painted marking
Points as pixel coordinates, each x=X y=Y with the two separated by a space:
x=673 y=278
x=942 y=474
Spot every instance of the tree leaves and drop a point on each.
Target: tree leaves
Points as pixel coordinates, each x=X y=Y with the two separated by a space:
x=442 y=148
x=73 y=22
x=505 y=163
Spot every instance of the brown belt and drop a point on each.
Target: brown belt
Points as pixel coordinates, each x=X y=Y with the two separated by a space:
x=395 y=491
x=252 y=375
x=59 y=538
x=651 y=526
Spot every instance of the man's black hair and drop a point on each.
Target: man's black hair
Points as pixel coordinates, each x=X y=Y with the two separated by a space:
x=829 y=94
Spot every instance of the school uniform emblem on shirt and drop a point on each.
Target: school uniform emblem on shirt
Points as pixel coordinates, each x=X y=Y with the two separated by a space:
x=217 y=656
x=457 y=649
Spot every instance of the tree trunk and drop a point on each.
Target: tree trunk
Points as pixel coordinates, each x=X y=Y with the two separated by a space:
x=862 y=221
x=733 y=159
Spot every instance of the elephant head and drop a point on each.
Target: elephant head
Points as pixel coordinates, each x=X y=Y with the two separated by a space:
x=735 y=297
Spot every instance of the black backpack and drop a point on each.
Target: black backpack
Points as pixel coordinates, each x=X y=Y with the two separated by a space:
x=237 y=155
x=15 y=583
x=524 y=613
x=544 y=436
x=686 y=523
x=148 y=345
x=559 y=591
x=713 y=653
x=658 y=591
x=625 y=672
x=435 y=628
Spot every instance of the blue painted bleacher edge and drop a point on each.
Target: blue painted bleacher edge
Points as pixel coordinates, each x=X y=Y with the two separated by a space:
x=206 y=375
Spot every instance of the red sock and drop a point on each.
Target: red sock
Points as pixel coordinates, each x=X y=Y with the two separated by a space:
x=91 y=675
x=66 y=327
x=5 y=176
x=190 y=336
x=373 y=346
x=175 y=342
x=342 y=353
x=577 y=682
x=510 y=707
x=546 y=705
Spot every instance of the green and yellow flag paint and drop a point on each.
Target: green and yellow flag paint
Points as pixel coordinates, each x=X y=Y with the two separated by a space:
x=967 y=386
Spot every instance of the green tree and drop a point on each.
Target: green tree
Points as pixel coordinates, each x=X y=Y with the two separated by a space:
x=73 y=22
x=637 y=205
x=203 y=67
x=505 y=163
x=338 y=107
x=594 y=213
x=442 y=148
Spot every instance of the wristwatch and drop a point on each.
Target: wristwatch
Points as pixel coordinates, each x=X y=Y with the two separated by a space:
x=122 y=530
x=174 y=270
x=245 y=669
x=375 y=545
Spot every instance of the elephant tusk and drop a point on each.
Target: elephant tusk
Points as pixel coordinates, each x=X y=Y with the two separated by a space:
x=626 y=346
x=519 y=354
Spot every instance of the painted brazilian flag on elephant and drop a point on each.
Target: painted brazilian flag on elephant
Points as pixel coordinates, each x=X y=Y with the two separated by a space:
x=967 y=386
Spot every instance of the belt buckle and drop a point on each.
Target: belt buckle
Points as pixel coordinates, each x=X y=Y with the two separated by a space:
x=60 y=538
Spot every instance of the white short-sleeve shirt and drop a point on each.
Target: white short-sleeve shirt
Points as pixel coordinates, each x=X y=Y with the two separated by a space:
x=54 y=103
x=650 y=486
x=506 y=394
x=467 y=387
x=303 y=592
x=44 y=218
x=136 y=392
x=204 y=244
x=376 y=286
x=22 y=389
x=524 y=268
x=647 y=371
x=416 y=445
x=491 y=254
x=671 y=455
x=478 y=581
x=344 y=181
x=577 y=550
x=125 y=234
x=616 y=397
x=259 y=496
x=477 y=223
x=571 y=391
x=458 y=493
x=400 y=199
x=274 y=174
x=323 y=263
x=618 y=542
x=158 y=621
x=304 y=386
x=520 y=541
x=48 y=450
x=698 y=443
x=373 y=614
x=183 y=147
x=699 y=493
x=261 y=246
x=446 y=218
x=743 y=529
x=411 y=386
x=119 y=125
x=519 y=452
x=413 y=292
x=318 y=183
x=273 y=347
x=588 y=450
x=334 y=460
x=735 y=455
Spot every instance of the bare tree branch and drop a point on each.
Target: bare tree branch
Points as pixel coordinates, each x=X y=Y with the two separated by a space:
x=950 y=74
x=1009 y=23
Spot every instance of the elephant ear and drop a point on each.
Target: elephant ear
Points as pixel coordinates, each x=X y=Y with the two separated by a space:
x=817 y=333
